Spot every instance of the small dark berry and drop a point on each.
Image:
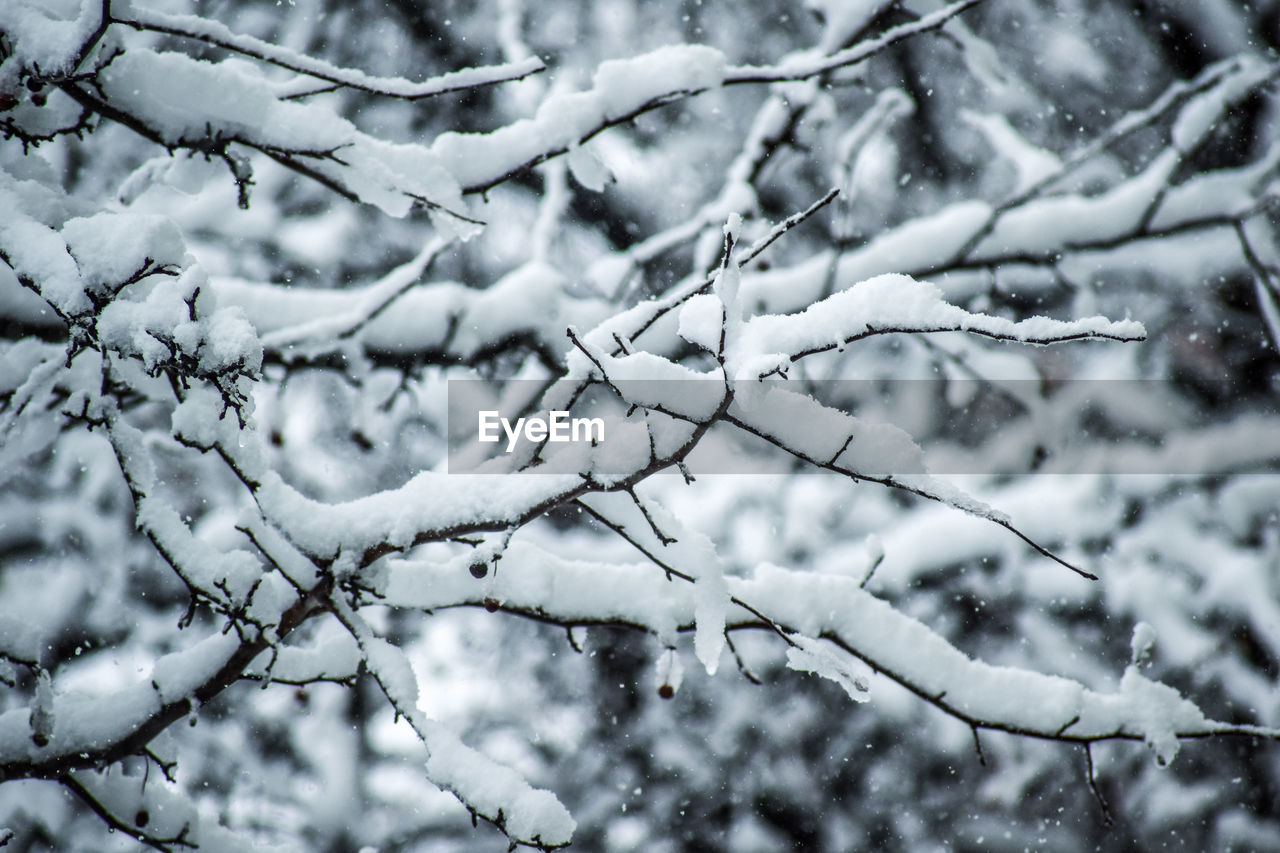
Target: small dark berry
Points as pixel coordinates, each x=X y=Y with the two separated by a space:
x=142 y=818
x=39 y=99
x=666 y=691
x=479 y=570
x=491 y=604
x=34 y=85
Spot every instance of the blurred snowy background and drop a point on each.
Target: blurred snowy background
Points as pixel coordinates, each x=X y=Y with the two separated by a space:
x=1060 y=159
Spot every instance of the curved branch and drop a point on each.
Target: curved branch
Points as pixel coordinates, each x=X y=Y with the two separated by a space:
x=803 y=68
x=218 y=35
x=166 y=845
x=833 y=608
x=921 y=485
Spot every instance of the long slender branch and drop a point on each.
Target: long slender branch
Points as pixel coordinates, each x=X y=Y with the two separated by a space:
x=218 y=35
x=851 y=619
x=166 y=845
x=55 y=762
x=891 y=481
x=995 y=336
x=801 y=69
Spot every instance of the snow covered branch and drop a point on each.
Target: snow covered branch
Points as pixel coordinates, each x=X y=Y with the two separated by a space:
x=233 y=495
x=838 y=610
x=218 y=35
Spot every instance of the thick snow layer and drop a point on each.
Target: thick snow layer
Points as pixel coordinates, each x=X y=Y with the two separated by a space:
x=72 y=260
x=87 y=722
x=428 y=505
x=445 y=316
x=895 y=302
x=838 y=609
x=694 y=554
x=184 y=100
x=217 y=33
x=619 y=89
x=825 y=435
x=525 y=813
x=1052 y=223
x=45 y=33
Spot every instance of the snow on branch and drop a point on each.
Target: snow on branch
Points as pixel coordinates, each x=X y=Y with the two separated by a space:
x=1036 y=228
x=89 y=730
x=444 y=322
x=550 y=588
x=436 y=506
x=180 y=102
x=886 y=304
x=120 y=352
x=139 y=89
x=828 y=439
x=1200 y=100
x=219 y=35
x=804 y=67
x=621 y=90
x=433 y=322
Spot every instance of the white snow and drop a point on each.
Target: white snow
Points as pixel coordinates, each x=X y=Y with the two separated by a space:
x=1031 y=163
x=894 y=302
x=1144 y=637
x=619 y=88
x=809 y=655
x=835 y=607
x=45 y=33
x=183 y=99
x=217 y=33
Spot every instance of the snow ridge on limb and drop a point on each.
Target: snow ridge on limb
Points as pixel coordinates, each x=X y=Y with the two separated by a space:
x=435 y=322
x=802 y=67
x=358 y=167
x=894 y=303
x=215 y=33
x=838 y=610
x=176 y=101
x=621 y=89
x=180 y=102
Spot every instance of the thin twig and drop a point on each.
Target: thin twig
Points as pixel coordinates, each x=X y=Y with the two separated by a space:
x=1093 y=784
